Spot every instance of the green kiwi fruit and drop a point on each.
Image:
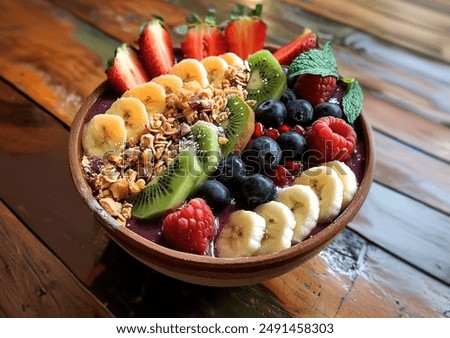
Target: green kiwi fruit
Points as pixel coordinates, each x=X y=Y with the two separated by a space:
x=267 y=79
x=238 y=127
x=169 y=188
x=206 y=136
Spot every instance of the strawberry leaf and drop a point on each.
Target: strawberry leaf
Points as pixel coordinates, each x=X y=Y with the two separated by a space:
x=237 y=11
x=352 y=99
x=315 y=61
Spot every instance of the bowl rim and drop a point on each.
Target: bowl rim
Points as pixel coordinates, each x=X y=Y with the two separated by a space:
x=218 y=263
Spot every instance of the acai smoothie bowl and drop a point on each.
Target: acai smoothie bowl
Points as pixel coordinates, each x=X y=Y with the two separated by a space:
x=224 y=161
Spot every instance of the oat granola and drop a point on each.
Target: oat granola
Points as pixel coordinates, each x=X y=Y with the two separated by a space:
x=118 y=175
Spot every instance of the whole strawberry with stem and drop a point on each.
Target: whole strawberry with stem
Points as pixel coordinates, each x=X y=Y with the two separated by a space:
x=203 y=38
x=246 y=33
x=155 y=47
x=125 y=70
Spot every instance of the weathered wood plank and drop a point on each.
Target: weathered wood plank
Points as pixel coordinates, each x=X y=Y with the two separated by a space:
x=412 y=172
x=407 y=229
x=33 y=282
x=40 y=55
x=416 y=27
x=35 y=182
x=353 y=278
x=417 y=131
x=122 y=20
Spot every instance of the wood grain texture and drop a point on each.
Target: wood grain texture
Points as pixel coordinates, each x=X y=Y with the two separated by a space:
x=408 y=171
x=406 y=228
x=353 y=278
x=415 y=26
x=33 y=282
x=33 y=153
x=122 y=19
x=40 y=55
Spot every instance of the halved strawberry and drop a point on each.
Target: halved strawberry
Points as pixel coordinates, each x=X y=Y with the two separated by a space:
x=125 y=70
x=155 y=47
x=305 y=41
x=203 y=38
x=245 y=34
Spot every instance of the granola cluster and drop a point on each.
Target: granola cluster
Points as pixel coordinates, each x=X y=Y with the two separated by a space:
x=117 y=176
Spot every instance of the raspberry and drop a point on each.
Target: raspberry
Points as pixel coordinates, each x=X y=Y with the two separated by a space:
x=331 y=138
x=190 y=228
x=315 y=88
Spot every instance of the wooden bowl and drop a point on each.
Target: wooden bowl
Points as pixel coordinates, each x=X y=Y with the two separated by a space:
x=206 y=270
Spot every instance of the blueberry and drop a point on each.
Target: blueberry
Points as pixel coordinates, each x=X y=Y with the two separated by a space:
x=285 y=69
x=292 y=144
x=288 y=96
x=299 y=112
x=270 y=113
x=215 y=194
x=327 y=109
x=256 y=189
x=230 y=170
x=263 y=153
x=291 y=80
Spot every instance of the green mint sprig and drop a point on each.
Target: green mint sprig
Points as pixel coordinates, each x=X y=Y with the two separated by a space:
x=315 y=61
x=352 y=100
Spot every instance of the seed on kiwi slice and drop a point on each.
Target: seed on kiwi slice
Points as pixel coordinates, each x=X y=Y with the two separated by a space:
x=239 y=125
x=169 y=188
x=267 y=79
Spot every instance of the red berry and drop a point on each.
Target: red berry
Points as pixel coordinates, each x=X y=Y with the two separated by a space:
x=299 y=129
x=259 y=130
x=315 y=88
x=272 y=133
x=190 y=228
x=281 y=176
x=331 y=138
x=294 y=167
x=284 y=128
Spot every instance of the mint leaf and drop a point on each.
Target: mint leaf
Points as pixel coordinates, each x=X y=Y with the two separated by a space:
x=352 y=100
x=315 y=61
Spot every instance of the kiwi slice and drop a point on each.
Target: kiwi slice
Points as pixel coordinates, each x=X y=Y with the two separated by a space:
x=206 y=136
x=239 y=125
x=169 y=188
x=267 y=79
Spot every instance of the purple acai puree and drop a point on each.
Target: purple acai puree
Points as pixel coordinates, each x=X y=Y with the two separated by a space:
x=152 y=229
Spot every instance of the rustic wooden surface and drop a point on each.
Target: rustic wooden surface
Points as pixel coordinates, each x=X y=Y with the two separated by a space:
x=392 y=261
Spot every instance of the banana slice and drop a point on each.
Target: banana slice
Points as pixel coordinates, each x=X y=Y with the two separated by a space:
x=329 y=189
x=134 y=113
x=103 y=134
x=280 y=224
x=191 y=70
x=348 y=179
x=304 y=204
x=242 y=234
x=232 y=59
x=151 y=94
x=170 y=82
x=215 y=67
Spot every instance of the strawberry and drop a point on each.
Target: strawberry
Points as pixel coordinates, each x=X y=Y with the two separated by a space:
x=245 y=34
x=155 y=46
x=203 y=38
x=315 y=88
x=331 y=138
x=191 y=228
x=125 y=70
x=304 y=42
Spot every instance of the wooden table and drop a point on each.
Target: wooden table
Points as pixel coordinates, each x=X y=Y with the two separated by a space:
x=393 y=260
